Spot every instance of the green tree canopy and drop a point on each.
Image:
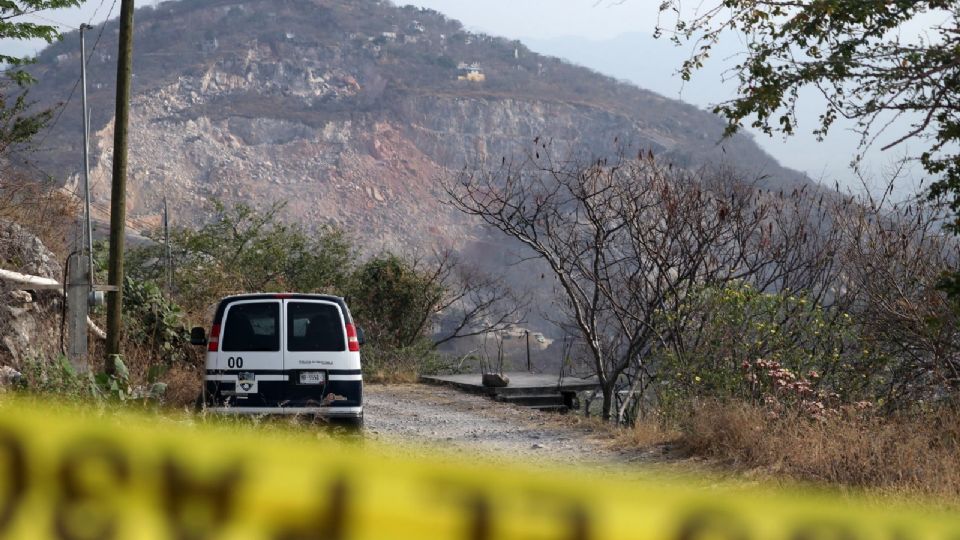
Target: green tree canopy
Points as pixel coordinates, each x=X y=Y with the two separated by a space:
x=395 y=299
x=17 y=123
x=243 y=249
x=871 y=60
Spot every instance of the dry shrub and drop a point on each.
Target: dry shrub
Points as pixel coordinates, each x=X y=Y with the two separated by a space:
x=396 y=373
x=46 y=211
x=914 y=453
x=145 y=367
x=389 y=365
x=646 y=433
x=183 y=386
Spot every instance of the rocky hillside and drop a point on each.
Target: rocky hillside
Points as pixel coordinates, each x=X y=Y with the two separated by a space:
x=29 y=320
x=351 y=110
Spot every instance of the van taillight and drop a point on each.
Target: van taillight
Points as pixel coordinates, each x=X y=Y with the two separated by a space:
x=352 y=344
x=214 y=342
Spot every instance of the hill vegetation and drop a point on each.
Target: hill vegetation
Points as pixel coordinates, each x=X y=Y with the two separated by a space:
x=738 y=307
x=317 y=61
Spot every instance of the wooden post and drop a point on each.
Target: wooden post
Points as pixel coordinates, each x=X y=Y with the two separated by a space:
x=527 y=332
x=118 y=198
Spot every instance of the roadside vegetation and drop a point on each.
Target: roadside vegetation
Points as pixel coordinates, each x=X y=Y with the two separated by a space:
x=393 y=297
x=810 y=333
x=801 y=332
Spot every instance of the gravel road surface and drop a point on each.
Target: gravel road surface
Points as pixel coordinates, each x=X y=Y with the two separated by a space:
x=436 y=416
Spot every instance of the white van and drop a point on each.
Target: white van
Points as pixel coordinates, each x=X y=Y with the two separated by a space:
x=283 y=354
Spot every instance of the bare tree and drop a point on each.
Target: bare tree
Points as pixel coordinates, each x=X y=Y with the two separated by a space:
x=473 y=302
x=626 y=238
x=896 y=258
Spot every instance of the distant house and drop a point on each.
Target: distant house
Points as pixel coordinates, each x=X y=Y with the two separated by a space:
x=389 y=36
x=470 y=72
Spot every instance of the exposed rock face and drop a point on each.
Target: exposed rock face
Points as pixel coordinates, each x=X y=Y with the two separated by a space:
x=350 y=110
x=29 y=320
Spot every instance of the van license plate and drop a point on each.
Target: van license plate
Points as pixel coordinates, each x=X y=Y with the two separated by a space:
x=312 y=377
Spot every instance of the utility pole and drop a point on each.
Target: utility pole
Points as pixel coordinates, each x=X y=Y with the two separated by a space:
x=86 y=153
x=166 y=243
x=80 y=272
x=118 y=193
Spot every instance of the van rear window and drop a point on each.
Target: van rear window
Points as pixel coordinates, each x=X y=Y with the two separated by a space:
x=314 y=327
x=252 y=327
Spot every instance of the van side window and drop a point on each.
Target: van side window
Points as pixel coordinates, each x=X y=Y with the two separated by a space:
x=314 y=327
x=253 y=327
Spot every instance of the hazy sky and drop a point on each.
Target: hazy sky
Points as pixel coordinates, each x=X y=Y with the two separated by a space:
x=593 y=19
x=546 y=25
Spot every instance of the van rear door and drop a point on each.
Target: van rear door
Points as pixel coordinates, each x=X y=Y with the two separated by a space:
x=316 y=340
x=250 y=344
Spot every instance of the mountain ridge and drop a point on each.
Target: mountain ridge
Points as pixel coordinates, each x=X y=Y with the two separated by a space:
x=349 y=110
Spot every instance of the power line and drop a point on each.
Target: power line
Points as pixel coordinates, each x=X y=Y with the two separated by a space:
x=94 y=16
x=21 y=14
x=52 y=21
x=136 y=223
x=102 y=28
x=76 y=84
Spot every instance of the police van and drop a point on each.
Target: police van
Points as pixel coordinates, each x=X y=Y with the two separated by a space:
x=283 y=354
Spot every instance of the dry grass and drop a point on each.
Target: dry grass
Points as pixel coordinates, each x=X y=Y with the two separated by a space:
x=183 y=378
x=386 y=365
x=42 y=209
x=911 y=455
x=183 y=386
x=646 y=433
x=391 y=376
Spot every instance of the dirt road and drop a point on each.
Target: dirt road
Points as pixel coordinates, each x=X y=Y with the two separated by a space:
x=476 y=426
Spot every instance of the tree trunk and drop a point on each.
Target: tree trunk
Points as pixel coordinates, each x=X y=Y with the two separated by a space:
x=622 y=411
x=607 y=400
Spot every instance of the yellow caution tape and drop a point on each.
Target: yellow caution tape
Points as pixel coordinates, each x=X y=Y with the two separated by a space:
x=80 y=475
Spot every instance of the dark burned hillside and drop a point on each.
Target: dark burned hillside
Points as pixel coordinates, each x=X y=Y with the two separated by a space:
x=351 y=110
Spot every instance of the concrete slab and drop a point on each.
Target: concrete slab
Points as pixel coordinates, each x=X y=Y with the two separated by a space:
x=521 y=383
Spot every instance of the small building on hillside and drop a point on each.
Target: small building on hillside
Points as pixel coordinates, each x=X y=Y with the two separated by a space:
x=470 y=72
